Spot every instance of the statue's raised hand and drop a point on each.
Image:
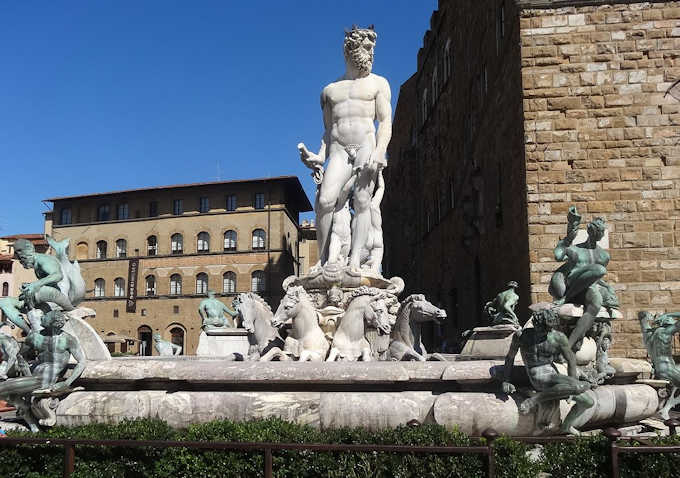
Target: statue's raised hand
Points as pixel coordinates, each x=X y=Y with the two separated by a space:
x=508 y=388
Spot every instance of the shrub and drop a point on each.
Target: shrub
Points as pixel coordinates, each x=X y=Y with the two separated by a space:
x=586 y=457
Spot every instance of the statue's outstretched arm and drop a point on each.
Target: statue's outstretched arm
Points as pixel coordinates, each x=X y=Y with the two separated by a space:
x=567 y=353
x=573 y=221
x=77 y=352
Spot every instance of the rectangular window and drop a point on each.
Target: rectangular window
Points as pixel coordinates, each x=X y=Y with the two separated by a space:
x=177 y=207
x=204 y=204
x=153 y=209
x=175 y=309
x=115 y=313
x=65 y=216
x=103 y=212
x=123 y=212
x=259 y=200
x=231 y=202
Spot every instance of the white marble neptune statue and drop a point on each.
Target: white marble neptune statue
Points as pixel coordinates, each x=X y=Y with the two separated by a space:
x=356 y=154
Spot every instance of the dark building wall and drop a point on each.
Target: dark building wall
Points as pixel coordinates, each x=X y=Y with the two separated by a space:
x=456 y=186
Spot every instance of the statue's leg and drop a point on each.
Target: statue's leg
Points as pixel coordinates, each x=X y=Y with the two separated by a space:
x=361 y=224
x=552 y=386
x=582 y=402
x=50 y=294
x=338 y=172
x=582 y=278
x=558 y=286
x=593 y=301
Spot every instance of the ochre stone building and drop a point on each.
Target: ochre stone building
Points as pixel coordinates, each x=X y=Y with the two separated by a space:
x=149 y=256
x=518 y=110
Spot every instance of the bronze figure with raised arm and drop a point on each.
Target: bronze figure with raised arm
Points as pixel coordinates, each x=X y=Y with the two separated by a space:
x=540 y=346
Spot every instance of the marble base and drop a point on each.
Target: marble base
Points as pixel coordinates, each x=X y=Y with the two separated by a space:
x=228 y=342
x=470 y=412
x=489 y=342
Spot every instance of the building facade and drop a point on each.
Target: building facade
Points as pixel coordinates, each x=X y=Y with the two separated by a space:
x=518 y=110
x=149 y=256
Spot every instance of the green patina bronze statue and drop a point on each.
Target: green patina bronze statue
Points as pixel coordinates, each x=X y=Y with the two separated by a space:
x=53 y=348
x=579 y=280
x=657 y=335
x=501 y=310
x=540 y=346
x=212 y=313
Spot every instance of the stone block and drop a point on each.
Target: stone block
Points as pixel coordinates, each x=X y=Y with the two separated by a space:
x=224 y=345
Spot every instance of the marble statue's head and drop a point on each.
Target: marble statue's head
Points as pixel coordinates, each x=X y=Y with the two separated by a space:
x=54 y=319
x=358 y=47
x=545 y=319
x=25 y=252
x=512 y=285
x=596 y=228
x=211 y=294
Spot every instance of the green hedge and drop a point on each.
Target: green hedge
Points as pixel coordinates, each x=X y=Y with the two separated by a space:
x=588 y=457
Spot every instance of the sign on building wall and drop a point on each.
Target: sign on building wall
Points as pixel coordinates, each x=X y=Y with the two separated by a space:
x=133 y=268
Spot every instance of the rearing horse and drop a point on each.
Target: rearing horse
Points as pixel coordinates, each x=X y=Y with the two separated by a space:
x=367 y=307
x=296 y=306
x=256 y=316
x=406 y=341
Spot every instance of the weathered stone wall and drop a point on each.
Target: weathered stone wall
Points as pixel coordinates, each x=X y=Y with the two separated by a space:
x=455 y=205
x=601 y=135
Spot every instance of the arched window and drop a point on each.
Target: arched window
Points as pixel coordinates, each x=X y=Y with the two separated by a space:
x=257 y=283
x=121 y=248
x=258 y=239
x=151 y=246
x=175 y=284
x=202 y=283
x=81 y=251
x=150 y=285
x=101 y=250
x=119 y=287
x=203 y=242
x=229 y=282
x=230 y=240
x=176 y=244
x=5 y=289
x=177 y=337
x=99 y=287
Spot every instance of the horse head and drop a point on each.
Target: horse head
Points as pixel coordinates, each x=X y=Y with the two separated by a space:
x=290 y=306
x=376 y=315
x=251 y=308
x=421 y=310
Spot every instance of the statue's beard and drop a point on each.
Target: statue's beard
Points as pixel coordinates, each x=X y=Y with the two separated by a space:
x=361 y=60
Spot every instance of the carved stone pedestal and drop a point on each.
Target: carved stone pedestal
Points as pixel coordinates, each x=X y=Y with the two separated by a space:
x=489 y=342
x=223 y=343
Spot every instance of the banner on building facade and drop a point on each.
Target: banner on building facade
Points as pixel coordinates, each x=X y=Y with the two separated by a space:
x=133 y=268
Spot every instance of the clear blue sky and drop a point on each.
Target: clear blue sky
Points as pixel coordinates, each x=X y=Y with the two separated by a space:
x=99 y=96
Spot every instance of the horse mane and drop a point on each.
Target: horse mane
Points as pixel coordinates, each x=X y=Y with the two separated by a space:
x=298 y=292
x=412 y=298
x=256 y=298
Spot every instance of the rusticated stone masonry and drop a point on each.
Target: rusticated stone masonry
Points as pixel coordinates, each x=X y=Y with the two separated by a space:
x=601 y=134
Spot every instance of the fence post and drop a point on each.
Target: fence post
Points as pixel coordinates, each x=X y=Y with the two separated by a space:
x=490 y=435
x=612 y=435
x=268 y=463
x=69 y=459
x=672 y=425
